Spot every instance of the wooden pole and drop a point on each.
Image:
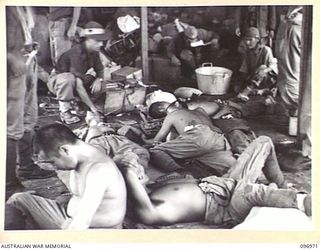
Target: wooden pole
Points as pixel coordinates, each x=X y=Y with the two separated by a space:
x=304 y=109
x=144 y=44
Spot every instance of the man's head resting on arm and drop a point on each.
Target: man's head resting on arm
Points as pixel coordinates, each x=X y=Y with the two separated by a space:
x=55 y=146
x=159 y=110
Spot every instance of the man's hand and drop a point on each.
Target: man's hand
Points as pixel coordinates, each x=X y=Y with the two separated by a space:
x=261 y=73
x=96 y=86
x=238 y=32
x=271 y=34
x=92 y=119
x=72 y=32
x=175 y=61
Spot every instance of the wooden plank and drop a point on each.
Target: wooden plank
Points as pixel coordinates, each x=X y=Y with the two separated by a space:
x=144 y=44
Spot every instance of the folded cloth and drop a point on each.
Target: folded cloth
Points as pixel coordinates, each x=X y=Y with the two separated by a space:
x=219 y=192
x=221 y=188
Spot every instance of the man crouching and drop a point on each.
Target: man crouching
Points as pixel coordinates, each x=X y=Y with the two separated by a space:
x=97 y=186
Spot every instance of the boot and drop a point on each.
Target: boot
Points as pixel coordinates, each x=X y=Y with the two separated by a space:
x=27 y=169
x=13 y=185
x=68 y=118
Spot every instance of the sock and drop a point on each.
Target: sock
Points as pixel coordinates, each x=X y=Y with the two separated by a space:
x=64 y=106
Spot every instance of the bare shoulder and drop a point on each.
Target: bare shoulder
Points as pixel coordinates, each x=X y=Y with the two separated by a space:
x=103 y=170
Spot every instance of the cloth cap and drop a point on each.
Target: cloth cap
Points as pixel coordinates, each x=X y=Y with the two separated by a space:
x=191 y=32
x=95 y=31
x=252 y=32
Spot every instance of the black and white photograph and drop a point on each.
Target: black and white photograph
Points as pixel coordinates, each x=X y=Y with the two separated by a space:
x=158 y=117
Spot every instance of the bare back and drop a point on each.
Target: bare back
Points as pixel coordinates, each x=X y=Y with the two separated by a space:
x=112 y=207
x=181 y=119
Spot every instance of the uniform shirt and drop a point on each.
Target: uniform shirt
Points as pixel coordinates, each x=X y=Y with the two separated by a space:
x=262 y=55
x=180 y=43
x=78 y=61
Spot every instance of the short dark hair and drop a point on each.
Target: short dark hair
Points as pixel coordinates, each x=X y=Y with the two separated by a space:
x=157 y=110
x=50 y=137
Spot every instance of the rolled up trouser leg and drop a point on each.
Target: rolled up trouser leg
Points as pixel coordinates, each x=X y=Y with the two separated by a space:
x=63 y=86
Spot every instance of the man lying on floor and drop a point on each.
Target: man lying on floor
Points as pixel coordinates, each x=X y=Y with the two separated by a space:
x=98 y=188
x=235 y=129
x=198 y=141
x=218 y=200
x=121 y=150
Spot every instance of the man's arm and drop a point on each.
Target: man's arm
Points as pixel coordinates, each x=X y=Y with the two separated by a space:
x=84 y=95
x=142 y=203
x=165 y=129
x=272 y=62
x=74 y=22
x=96 y=86
x=98 y=66
x=97 y=182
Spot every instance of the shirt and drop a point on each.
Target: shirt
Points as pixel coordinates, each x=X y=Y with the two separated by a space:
x=180 y=43
x=78 y=61
x=262 y=55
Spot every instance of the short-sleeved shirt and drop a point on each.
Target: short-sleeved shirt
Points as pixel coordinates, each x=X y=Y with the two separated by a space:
x=262 y=55
x=78 y=61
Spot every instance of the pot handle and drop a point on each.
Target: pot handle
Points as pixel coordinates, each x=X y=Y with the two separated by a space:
x=207 y=64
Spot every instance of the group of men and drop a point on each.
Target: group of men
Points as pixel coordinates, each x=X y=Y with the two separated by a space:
x=260 y=72
x=78 y=70
x=105 y=177
x=109 y=171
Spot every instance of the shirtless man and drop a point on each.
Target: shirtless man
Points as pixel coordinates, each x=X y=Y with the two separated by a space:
x=224 y=201
x=198 y=140
x=97 y=186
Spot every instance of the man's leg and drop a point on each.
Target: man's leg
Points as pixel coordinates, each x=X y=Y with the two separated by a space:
x=164 y=161
x=246 y=196
x=44 y=213
x=63 y=86
x=188 y=58
x=142 y=203
x=182 y=147
x=59 y=42
x=260 y=156
x=27 y=168
x=15 y=106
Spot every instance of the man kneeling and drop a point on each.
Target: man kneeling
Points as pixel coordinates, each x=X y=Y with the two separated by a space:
x=97 y=186
x=219 y=200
